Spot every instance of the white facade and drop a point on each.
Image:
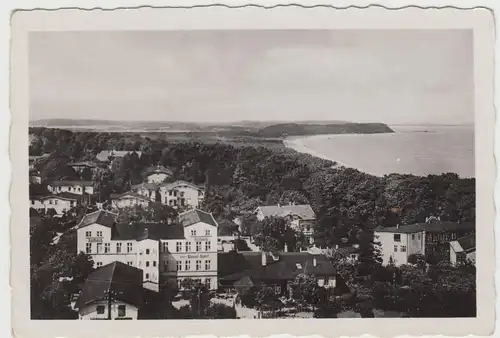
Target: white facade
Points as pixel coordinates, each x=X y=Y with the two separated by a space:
x=73 y=188
x=125 y=201
x=182 y=194
x=400 y=246
x=99 y=310
x=194 y=257
x=457 y=254
x=59 y=204
x=146 y=192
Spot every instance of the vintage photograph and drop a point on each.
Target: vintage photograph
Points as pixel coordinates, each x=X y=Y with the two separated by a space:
x=252 y=174
x=224 y=168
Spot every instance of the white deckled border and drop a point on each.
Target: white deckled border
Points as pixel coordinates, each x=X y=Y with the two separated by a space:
x=291 y=17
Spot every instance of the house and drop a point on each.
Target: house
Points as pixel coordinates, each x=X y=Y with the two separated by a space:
x=300 y=217
x=35 y=176
x=399 y=242
x=463 y=250
x=350 y=253
x=109 y=155
x=37 y=159
x=149 y=190
x=113 y=291
x=157 y=174
x=165 y=252
x=61 y=203
x=129 y=199
x=246 y=269
x=73 y=187
x=181 y=194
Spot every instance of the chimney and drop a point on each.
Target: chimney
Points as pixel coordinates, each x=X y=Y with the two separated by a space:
x=279 y=205
x=314 y=262
x=263 y=258
x=290 y=203
x=336 y=246
x=397 y=226
x=286 y=248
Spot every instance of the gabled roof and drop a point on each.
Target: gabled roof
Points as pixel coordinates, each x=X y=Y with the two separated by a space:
x=123 y=281
x=445 y=226
x=129 y=194
x=176 y=184
x=67 y=183
x=193 y=216
x=141 y=231
x=468 y=243
x=233 y=266
x=106 y=154
x=101 y=217
x=61 y=196
x=158 y=169
x=303 y=210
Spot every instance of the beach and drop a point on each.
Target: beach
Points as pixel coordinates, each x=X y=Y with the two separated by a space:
x=418 y=150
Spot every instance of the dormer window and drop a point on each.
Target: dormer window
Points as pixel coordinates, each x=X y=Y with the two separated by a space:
x=397 y=237
x=299 y=266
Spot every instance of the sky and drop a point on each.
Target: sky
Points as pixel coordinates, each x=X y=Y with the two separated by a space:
x=394 y=77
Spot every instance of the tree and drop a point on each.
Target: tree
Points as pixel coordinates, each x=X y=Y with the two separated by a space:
x=275 y=233
x=305 y=290
x=266 y=299
x=369 y=253
x=220 y=311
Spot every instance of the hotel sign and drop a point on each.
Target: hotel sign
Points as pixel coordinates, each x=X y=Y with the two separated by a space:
x=94 y=239
x=189 y=256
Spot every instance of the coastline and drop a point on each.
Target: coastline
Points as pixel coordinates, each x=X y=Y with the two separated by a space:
x=296 y=143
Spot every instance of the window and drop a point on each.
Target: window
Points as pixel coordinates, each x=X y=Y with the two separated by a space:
x=147 y=251
x=397 y=237
x=179 y=246
x=198 y=246
x=129 y=263
x=154 y=263
x=179 y=266
x=106 y=248
x=99 y=234
x=99 y=264
x=88 y=233
x=403 y=248
x=88 y=248
x=207 y=232
x=79 y=189
x=121 y=311
x=165 y=246
x=187 y=265
x=395 y=248
x=32 y=201
x=413 y=237
x=419 y=237
x=198 y=265
x=188 y=246
x=147 y=263
x=129 y=247
x=207 y=246
x=170 y=193
x=207 y=265
x=99 y=247
x=193 y=232
x=50 y=201
x=118 y=247
x=207 y=282
x=55 y=201
x=69 y=189
x=147 y=276
x=165 y=265
x=100 y=309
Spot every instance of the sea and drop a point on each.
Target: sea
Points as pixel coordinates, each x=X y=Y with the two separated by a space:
x=418 y=150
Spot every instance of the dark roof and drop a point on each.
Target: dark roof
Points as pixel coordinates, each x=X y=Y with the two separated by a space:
x=101 y=217
x=82 y=164
x=304 y=211
x=233 y=266
x=347 y=250
x=69 y=195
x=196 y=215
x=62 y=196
x=158 y=169
x=468 y=243
x=141 y=231
x=122 y=280
x=129 y=193
x=149 y=186
x=428 y=227
x=71 y=183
